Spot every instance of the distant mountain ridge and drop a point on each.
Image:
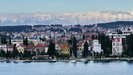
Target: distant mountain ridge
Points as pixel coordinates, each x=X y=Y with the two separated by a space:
x=27 y=28
x=83 y=18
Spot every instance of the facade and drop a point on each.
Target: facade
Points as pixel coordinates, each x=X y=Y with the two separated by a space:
x=97 y=46
x=65 y=49
x=21 y=48
x=3 y=47
x=17 y=41
x=80 y=49
x=117 y=47
x=41 y=48
x=10 y=47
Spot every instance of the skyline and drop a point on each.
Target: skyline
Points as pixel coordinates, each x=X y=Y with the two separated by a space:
x=63 y=6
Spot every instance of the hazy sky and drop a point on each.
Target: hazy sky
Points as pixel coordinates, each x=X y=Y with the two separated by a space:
x=61 y=6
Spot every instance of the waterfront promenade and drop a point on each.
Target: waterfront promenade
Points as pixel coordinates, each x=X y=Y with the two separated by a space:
x=78 y=60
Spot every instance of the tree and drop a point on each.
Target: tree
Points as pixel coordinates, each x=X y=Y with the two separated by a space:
x=129 y=41
x=15 y=51
x=9 y=40
x=51 y=49
x=106 y=44
x=83 y=36
x=85 y=51
x=70 y=43
x=3 y=40
x=27 y=54
x=74 y=46
x=8 y=54
x=2 y=53
x=31 y=43
x=25 y=41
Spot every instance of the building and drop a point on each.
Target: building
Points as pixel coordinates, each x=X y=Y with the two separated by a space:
x=117 y=47
x=80 y=49
x=65 y=49
x=17 y=41
x=3 y=47
x=97 y=46
x=41 y=48
x=21 y=48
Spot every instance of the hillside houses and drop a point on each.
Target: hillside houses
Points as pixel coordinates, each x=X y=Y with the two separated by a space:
x=38 y=42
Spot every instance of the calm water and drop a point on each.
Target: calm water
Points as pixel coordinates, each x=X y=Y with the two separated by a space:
x=67 y=68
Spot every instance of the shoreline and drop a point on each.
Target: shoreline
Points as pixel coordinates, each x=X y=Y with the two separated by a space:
x=78 y=60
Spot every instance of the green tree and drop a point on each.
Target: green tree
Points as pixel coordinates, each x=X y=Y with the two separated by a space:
x=2 y=53
x=106 y=44
x=15 y=51
x=85 y=51
x=25 y=41
x=83 y=36
x=74 y=46
x=27 y=54
x=129 y=41
x=9 y=41
x=51 y=49
x=3 y=40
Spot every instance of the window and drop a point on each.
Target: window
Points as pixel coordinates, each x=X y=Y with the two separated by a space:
x=118 y=49
x=113 y=44
x=117 y=44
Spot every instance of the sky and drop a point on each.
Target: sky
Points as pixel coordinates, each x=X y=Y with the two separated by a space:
x=62 y=6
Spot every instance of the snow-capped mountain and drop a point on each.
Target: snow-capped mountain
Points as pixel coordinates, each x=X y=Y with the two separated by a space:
x=82 y=18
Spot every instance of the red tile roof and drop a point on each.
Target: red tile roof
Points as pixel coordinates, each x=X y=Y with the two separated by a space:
x=80 y=44
x=41 y=45
x=22 y=45
x=10 y=46
x=87 y=38
x=30 y=46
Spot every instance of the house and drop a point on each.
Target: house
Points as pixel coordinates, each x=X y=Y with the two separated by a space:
x=3 y=47
x=17 y=41
x=21 y=48
x=97 y=46
x=29 y=48
x=10 y=47
x=117 y=47
x=41 y=48
x=34 y=40
x=80 y=49
x=65 y=49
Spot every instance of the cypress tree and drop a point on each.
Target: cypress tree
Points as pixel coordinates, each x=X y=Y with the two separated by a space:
x=15 y=51
x=75 y=46
x=25 y=41
x=85 y=51
x=51 y=49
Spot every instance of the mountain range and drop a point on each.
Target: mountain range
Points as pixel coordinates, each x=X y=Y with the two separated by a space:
x=82 y=18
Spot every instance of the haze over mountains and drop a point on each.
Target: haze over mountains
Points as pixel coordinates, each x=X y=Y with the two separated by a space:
x=83 y=18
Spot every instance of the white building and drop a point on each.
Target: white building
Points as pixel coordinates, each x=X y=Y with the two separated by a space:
x=97 y=46
x=3 y=47
x=17 y=41
x=117 y=47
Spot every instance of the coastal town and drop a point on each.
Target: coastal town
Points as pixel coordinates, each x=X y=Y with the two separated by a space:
x=45 y=42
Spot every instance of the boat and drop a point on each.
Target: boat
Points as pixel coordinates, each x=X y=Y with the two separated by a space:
x=54 y=60
x=128 y=59
x=73 y=61
x=86 y=61
x=82 y=60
